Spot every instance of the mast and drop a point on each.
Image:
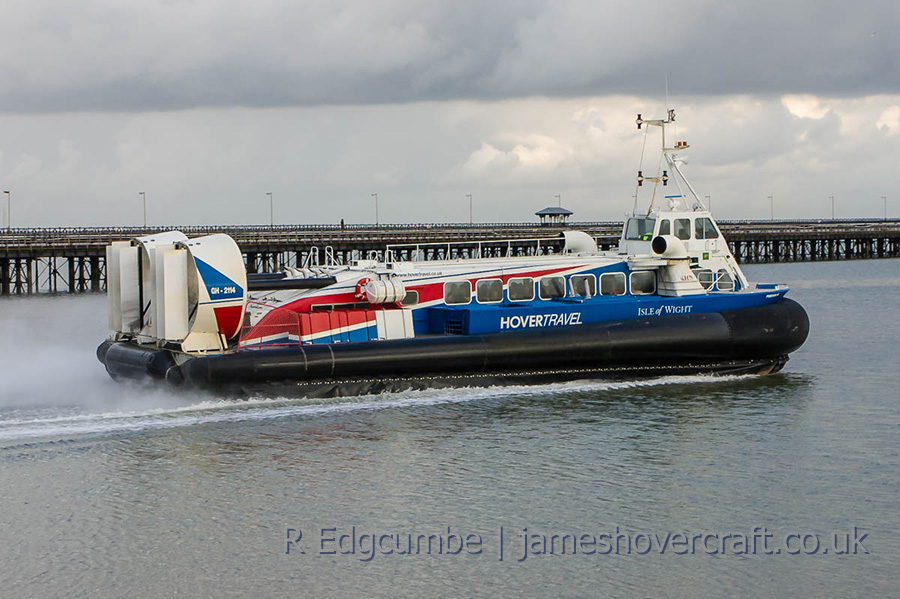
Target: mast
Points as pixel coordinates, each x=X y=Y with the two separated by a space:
x=670 y=155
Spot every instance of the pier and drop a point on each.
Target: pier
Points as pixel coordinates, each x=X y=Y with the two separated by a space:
x=73 y=260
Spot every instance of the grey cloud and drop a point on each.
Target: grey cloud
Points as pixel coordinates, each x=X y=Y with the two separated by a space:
x=214 y=166
x=175 y=55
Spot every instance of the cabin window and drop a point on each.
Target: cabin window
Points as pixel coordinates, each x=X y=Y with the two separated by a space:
x=410 y=299
x=665 y=227
x=725 y=282
x=584 y=285
x=551 y=287
x=643 y=282
x=683 y=228
x=457 y=292
x=521 y=289
x=704 y=229
x=489 y=291
x=640 y=229
x=706 y=277
x=612 y=283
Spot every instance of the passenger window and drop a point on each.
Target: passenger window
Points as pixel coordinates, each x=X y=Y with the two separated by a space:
x=457 y=292
x=552 y=287
x=643 y=282
x=704 y=229
x=489 y=291
x=612 y=283
x=706 y=277
x=521 y=290
x=410 y=299
x=683 y=228
x=725 y=282
x=584 y=285
x=665 y=227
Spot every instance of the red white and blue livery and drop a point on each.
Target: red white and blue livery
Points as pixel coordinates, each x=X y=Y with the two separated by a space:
x=670 y=300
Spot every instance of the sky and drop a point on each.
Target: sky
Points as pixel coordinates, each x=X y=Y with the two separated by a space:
x=207 y=106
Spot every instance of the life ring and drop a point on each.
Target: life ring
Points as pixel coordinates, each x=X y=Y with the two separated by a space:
x=361 y=288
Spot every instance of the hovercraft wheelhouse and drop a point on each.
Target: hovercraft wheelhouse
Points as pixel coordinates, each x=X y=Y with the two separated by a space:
x=671 y=300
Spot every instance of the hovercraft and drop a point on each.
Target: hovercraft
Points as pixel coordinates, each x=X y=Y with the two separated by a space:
x=670 y=300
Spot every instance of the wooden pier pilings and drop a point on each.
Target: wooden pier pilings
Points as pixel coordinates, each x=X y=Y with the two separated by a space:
x=73 y=260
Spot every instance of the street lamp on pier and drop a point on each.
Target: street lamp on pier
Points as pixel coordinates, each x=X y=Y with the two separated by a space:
x=771 y=208
x=8 y=207
x=471 y=220
x=375 y=195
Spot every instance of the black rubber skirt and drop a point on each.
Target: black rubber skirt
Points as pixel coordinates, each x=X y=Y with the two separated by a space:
x=752 y=340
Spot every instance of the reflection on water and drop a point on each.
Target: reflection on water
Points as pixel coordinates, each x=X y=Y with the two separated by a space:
x=113 y=490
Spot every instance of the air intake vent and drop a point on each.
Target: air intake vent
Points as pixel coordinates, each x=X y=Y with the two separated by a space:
x=453 y=327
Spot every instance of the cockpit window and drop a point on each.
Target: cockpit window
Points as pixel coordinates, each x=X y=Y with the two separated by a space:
x=640 y=229
x=665 y=227
x=683 y=228
x=704 y=229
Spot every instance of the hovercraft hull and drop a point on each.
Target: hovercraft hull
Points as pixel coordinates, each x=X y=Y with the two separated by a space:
x=751 y=340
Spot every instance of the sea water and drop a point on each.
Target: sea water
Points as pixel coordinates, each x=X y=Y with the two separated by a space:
x=678 y=487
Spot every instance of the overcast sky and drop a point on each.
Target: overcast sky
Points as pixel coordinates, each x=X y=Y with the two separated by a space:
x=207 y=105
